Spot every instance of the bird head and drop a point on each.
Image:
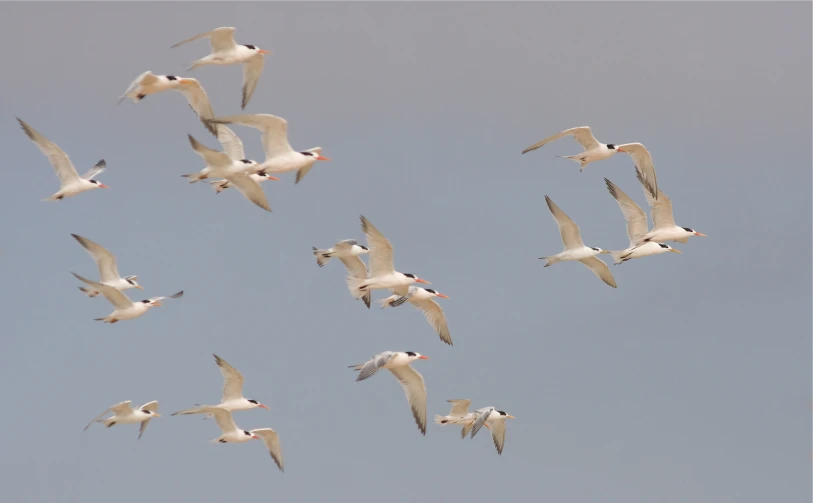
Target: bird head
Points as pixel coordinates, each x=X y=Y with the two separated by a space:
x=600 y=251
x=258 y=404
x=413 y=356
x=435 y=293
x=257 y=49
x=98 y=184
x=505 y=414
x=416 y=279
x=694 y=232
x=668 y=248
x=133 y=283
x=251 y=435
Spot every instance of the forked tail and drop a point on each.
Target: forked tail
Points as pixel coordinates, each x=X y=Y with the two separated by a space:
x=87 y=291
x=196 y=177
x=550 y=260
x=322 y=256
x=618 y=256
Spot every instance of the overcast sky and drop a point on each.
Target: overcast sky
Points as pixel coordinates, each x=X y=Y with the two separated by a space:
x=690 y=382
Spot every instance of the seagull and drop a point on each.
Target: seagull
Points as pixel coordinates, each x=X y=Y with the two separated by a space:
x=575 y=249
x=382 y=274
x=148 y=83
x=123 y=413
x=226 y=52
x=348 y=252
x=280 y=157
x=494 y=420
x=108 y=272
x=593 y=149
x=126 y=309
x=459 y=414
x=70 y=183
x=223 y=165
x=422 y=299
x=663 y=223
x=234 y=435
x=636 y=229
x=398 y=362
x=221 y=185
x=232 y=392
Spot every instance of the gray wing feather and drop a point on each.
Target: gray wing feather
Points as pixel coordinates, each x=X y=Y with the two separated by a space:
x=481 y=420
x=415 y=391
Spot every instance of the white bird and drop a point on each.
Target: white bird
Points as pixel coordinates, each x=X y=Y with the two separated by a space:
x=126 y=309
x=70 y=183
x=280 y=157
x=663 y=222
x=459 y=414
x=398 y=362
x=234 y=435
x=226 y=52
x=108 y=271
x=148 y=83
x=636 y=229
x=382 y=275
x=421 y=298
x=123 y=413
x=221 y=185
x=232 y=398
x=575 y=248
x=348 y=252
x=222 y=165
x=494 y=420
x=594 y=150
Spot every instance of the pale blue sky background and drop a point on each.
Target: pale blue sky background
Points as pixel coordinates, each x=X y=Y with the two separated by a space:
x=690 y=382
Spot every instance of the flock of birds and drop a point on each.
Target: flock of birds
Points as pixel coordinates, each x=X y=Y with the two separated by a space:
x=230 y=168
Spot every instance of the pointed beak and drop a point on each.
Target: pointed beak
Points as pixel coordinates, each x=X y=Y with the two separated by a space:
x=675 y=250
x=263 y=407
x=699 y=234
x=509 y=415
x=322 y=158
x=604 y=251
x=442 y=296
x=255 y=437
x=269 y=177
x=139 y=287
x=157 y=303
x=263 y=51
x=419 y=280
x=619 y=149
x=103 y=186
x=155 y=414
x=423 y=357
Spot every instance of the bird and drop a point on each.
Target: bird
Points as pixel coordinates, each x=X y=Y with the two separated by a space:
x=398 y=362
x=575 y=248
x=421 y=298
x=459 y=414
x=280 y=157
x=593 y=149
x=123 y=413
x=382 y=274
x=494 y=420
x=636 y=229
x=226 y=52
x=232 y=169
x=221 y=185
x=70 y=183
x=348 y=252
x=108 y=271
x=234 y=435
x=232 y=398
x=663 y=222
x=126 y=309
x=148 y=83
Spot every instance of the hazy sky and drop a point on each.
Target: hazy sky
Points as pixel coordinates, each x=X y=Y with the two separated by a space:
x=690 y=382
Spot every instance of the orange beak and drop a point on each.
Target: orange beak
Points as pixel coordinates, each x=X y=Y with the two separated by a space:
x=620 y=150
x=269 y=177
x=103 y=186
x=263 y=406
x=255 y=437
x=263 y=51
x=419 y=280
x=321 y=158
x=699 y=234
x=423 y=357
x=442 y=296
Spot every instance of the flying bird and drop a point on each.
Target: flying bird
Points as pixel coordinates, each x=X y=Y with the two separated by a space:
x=108 y=271
x=421 y=298
x=123 y=413
x=280 y=157
x=382 y=275
x=398 y=362
x=148 y=83
x=636 y=229
x=575 y=248
x=348 y=252
x=663 y=222
x=459 y=414
x=70 y=183
x=494 y=420
x=232 y=398
x=126 y=309
x=226 y=52
x=221 y=185
x=234 y=435
x=594 y=150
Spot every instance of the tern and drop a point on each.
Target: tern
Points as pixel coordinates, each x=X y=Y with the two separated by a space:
x=636 y=229
x=398 y=362
x=123 y=413
x=126 y=309
x=234 y=435
x=459 y=414
x=348 y=252
x=108 y=271
x=221 y=185
x=575 y=248
x=232 y=392
x=148 y=83
x=494 y=420
x=421 y=298
x=382 y=274
x=226 y=52
x=280 y=157
x=663 y=222
x=70 y=183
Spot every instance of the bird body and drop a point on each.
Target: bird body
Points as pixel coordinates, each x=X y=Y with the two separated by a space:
x=108 y=270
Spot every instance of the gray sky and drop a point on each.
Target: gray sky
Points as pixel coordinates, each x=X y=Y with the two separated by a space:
x=690 y=382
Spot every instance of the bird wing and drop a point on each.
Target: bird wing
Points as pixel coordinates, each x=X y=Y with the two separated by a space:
x=435 y=316
x=211 y=157
x=301 y=172
x=571 y=236
x=355 y=266
x=105 y=261
x=174 y=296
x=147 y=78
x=232 y=144
x=251 y=74
x=381 y=263
x=643 y=163
x=415 y=390
x=250 y=189
x=345 y=244
x=95 y=170
x=199 y=102
x=275 y=131
x=581 y=134
x=123 y=406
x=482 y=416
x=122 y=409
x=150 y=406
x=459 y=407
x=223 y=418
x=56 y=156
x=113 y=295
x=660 y=208
x=221 y=39
x=373 y=365
x=271 y=440
x=600 y=269
x=498 y=434
x=633 y=214
x=232 y=380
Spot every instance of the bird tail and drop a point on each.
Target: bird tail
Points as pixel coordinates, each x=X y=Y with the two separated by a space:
x=219 y=185
x=355 y=284
x=386 y=302
x=196 y=177
x=617 y=256
x=195 y=64
x=101 y=319
x=322 y=256
x=197 y=410
x=87 y=291
x=356 y=367
x=550 y=260
x=577 y=158
x=55 y=197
